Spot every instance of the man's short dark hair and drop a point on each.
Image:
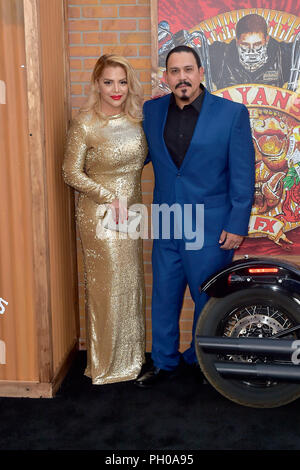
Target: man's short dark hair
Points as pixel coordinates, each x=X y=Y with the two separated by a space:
x=184 y=49
x=252 y=23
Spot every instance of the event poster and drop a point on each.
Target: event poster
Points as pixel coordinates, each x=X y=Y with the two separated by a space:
x=250 y=55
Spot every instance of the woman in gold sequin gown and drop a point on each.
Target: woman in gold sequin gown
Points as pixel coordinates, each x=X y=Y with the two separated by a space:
x=104 y=157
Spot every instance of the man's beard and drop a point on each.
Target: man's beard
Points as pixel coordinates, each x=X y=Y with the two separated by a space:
x=183 y=97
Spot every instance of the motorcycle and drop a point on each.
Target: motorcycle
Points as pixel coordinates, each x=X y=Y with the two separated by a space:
x=247 y=337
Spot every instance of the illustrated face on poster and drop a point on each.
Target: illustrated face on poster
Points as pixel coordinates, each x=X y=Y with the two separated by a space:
x=253 y=57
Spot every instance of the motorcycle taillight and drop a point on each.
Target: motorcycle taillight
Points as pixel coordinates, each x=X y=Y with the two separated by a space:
x=263 y=270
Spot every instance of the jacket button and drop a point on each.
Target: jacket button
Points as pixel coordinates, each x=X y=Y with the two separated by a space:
x=178 y=174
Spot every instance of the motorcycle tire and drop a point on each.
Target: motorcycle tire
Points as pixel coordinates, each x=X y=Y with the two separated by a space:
x=220 y=317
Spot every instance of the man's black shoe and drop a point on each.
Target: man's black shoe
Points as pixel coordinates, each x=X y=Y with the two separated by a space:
x=153 y=376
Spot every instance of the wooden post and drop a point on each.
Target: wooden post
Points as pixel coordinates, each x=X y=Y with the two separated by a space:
x=39 y=196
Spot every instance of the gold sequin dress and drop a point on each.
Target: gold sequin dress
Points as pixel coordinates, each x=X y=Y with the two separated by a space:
x=104 y=163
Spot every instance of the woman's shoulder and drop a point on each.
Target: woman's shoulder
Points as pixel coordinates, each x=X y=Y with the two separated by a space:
x=83 y=121
x=83 y=118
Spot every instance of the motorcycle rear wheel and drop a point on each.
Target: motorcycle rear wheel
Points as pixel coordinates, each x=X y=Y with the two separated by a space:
x=254 y=312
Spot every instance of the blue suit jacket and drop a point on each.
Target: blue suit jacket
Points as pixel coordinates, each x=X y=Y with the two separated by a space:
x=218 y=168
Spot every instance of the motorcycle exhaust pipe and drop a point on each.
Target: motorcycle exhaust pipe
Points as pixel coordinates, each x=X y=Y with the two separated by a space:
x=257 y=346
x=279 y=372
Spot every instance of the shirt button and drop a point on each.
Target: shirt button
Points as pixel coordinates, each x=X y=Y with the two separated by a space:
x=181 y=135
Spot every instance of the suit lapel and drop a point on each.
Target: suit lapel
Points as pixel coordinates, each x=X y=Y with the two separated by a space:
x=162 y=122
x=200 y=125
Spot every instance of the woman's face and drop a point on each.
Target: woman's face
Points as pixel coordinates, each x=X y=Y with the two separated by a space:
x=113 y=89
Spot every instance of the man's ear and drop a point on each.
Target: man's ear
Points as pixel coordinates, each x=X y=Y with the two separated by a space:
x=201 y=71
x=165 y=76
x=267 y=39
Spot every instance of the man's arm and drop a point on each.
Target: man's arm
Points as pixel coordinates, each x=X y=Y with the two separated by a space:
x=241 y=168
x=148 y=158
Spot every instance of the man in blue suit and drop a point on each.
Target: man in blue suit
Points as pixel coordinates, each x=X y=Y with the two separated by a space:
x=202 y=154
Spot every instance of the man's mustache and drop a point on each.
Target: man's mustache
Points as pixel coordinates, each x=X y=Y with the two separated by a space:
x=182 y=83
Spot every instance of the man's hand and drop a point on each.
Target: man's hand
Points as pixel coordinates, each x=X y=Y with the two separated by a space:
x=230 y=240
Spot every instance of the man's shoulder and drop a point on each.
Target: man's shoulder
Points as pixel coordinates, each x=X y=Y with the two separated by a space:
x=156 y=101
x=228 y=104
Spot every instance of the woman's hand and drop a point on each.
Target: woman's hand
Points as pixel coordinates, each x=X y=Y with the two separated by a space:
x=119 y=210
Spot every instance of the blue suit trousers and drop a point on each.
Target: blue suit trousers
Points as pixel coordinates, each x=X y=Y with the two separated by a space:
x=175 y=268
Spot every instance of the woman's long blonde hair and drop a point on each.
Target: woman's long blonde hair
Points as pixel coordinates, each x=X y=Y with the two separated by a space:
x=134 y=101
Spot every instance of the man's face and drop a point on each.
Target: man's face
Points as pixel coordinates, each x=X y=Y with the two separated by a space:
x=252 y=49
x=184 y=77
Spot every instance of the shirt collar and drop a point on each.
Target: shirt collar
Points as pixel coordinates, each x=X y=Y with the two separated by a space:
x=196 y=104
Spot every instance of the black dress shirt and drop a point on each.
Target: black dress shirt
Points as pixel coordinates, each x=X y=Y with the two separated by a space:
x=180 y=125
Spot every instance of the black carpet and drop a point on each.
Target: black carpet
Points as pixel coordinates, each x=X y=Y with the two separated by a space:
x=178 y=415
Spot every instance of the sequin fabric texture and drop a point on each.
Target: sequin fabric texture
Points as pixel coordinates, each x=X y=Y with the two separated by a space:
x=104 y=162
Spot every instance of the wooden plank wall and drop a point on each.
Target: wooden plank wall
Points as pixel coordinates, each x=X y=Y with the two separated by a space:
x=17 y=322
x=38 y=275
x=60 y=207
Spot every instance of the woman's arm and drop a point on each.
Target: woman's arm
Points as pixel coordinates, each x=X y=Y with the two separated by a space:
x=73 y=166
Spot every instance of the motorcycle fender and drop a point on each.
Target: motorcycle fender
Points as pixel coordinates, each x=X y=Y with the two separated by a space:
x=268 y=273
